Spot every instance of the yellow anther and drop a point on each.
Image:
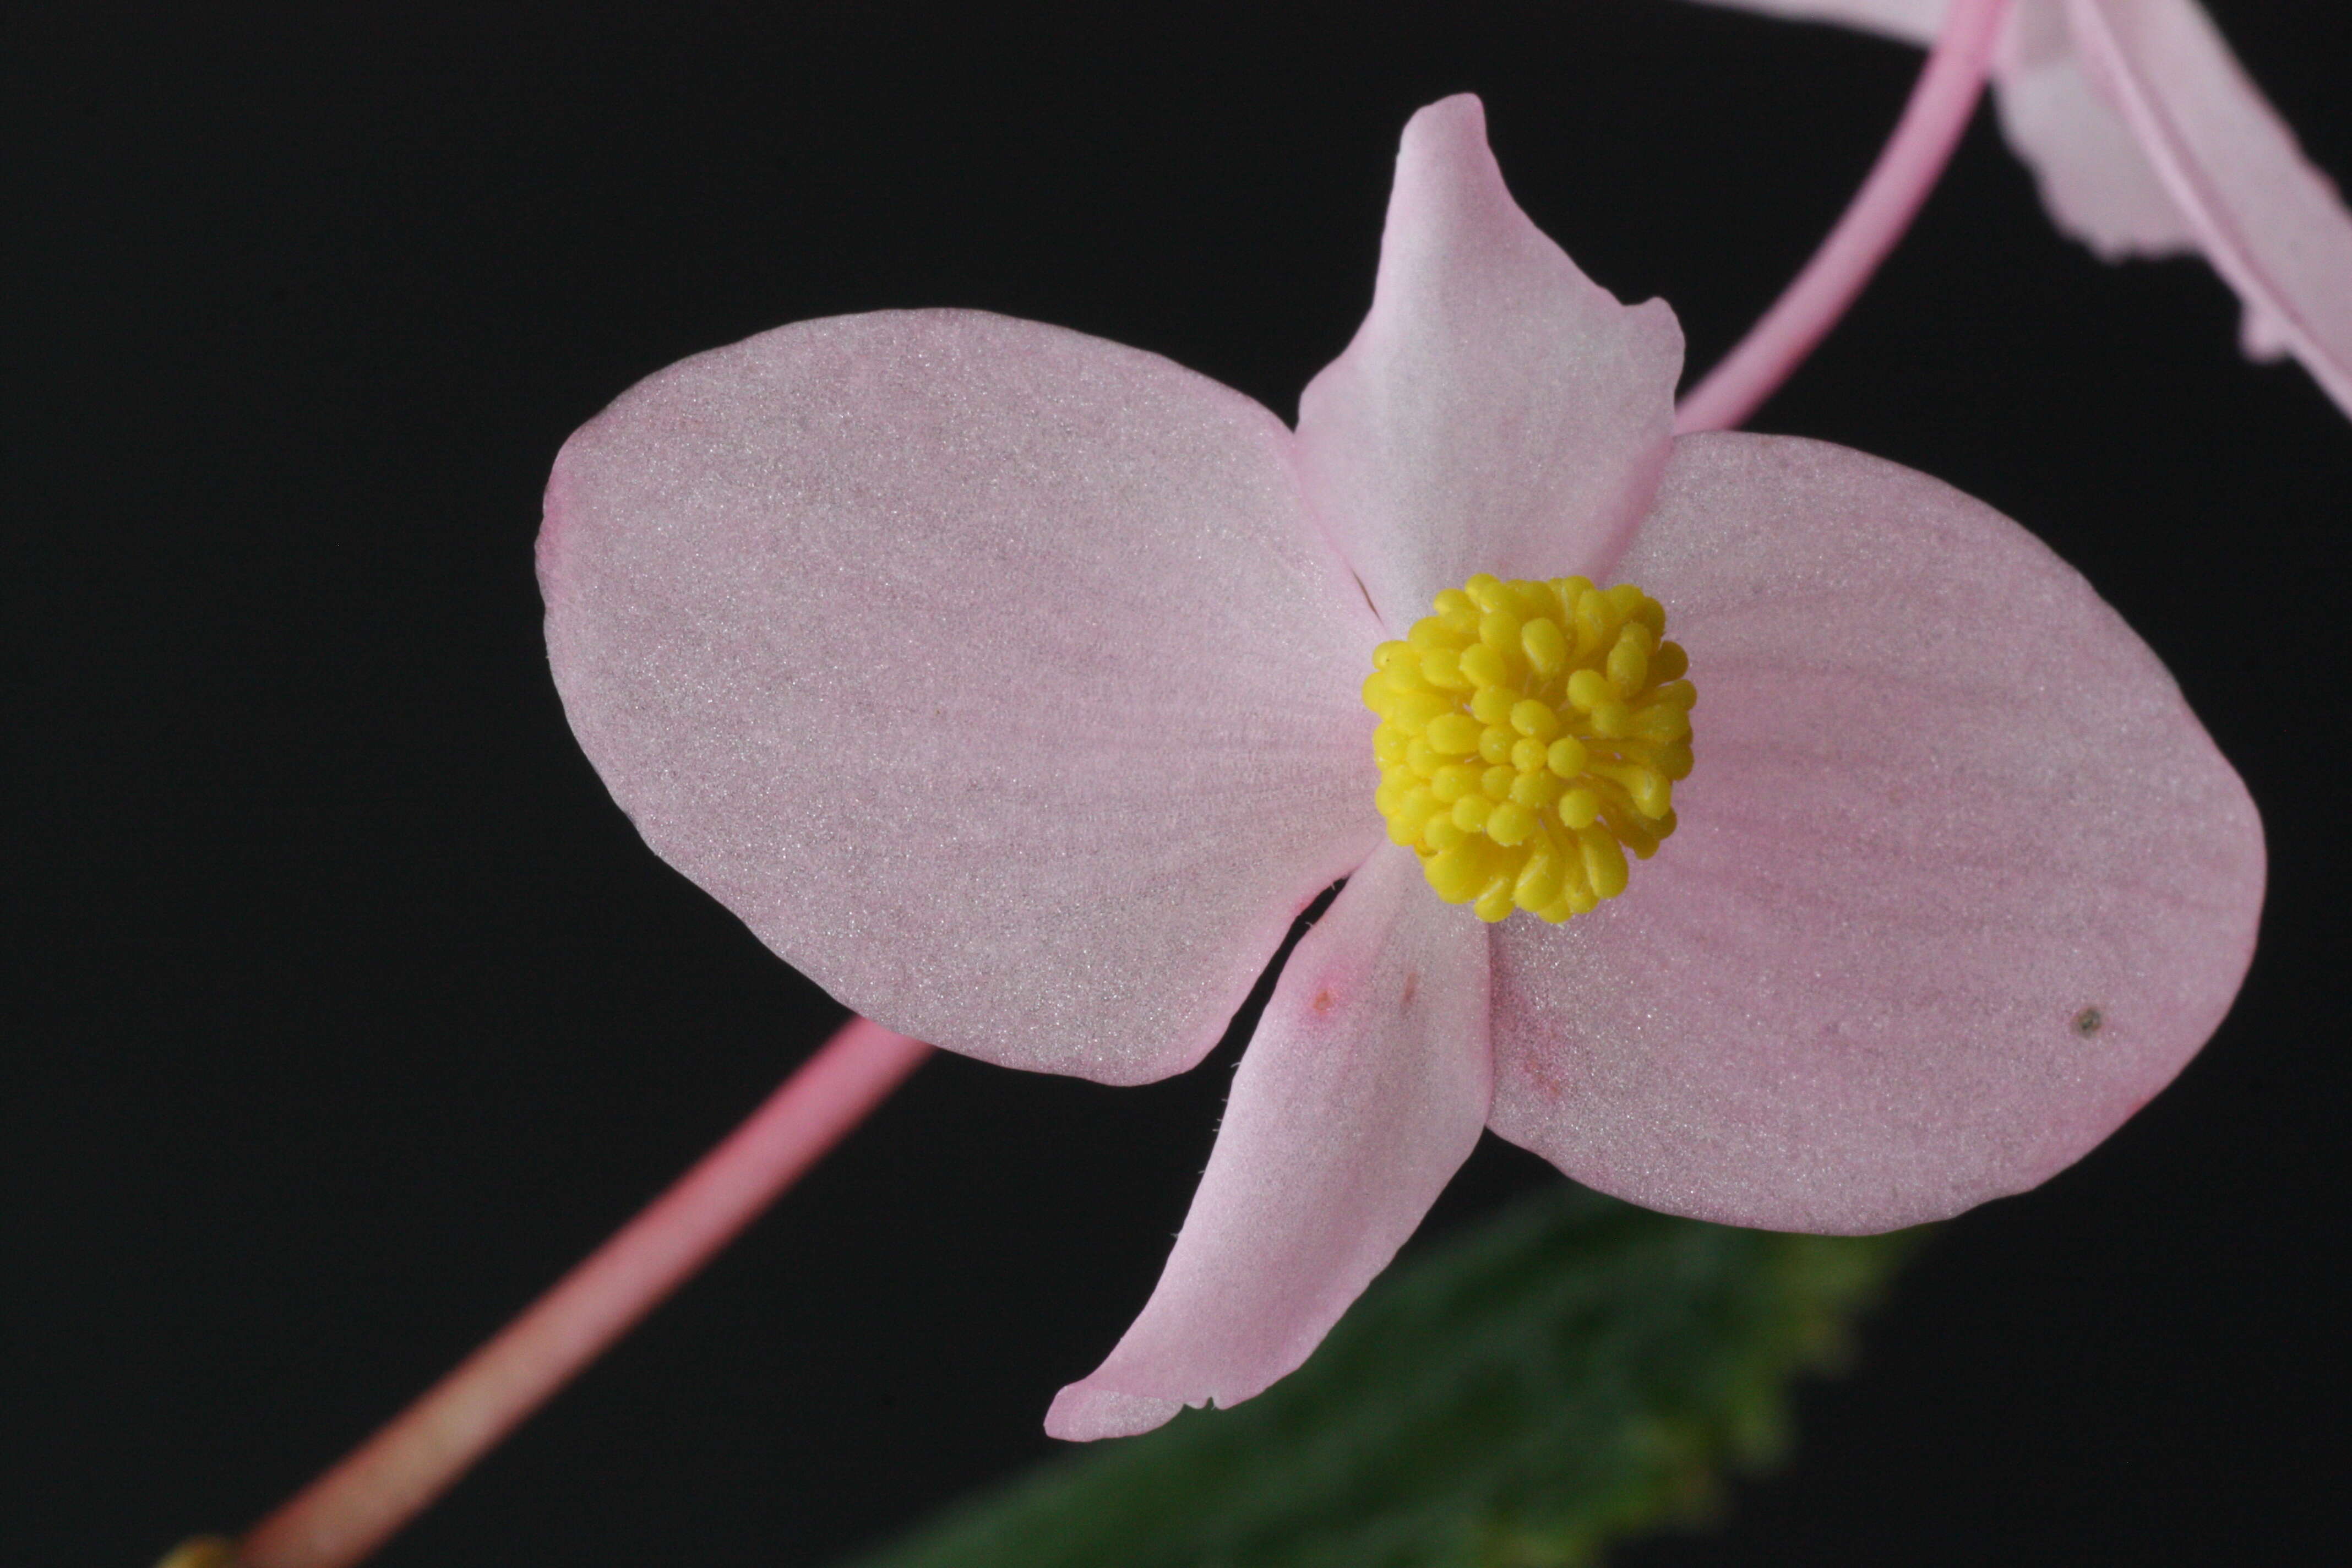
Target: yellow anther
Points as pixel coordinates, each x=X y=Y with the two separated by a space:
x=1454 y=734
x=1483 y=666
x=1531 y=735
x=1442 y=667
x=1535 y=720
x=1629 y=661
x=1662 y=722
x=1594 y=625
x=1456 y=613
x=1414 y=709
x=1679 y=694
x=1545 y=645
x=1457 y=872
x=1486 y=591
x=1511 y=823
x=1539 y=881
x=1535 y=790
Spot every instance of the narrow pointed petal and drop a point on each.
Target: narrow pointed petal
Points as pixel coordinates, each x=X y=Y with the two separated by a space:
x=1960 y=882
x=1363 y=1090
x=1498 y=411
x=2270 y=223
x=996 y=676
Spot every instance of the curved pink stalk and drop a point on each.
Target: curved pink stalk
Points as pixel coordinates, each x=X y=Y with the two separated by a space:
x=1907 y=170
x=348 y=1512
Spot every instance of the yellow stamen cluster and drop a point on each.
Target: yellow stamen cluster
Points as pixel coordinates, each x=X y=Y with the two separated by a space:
x=1532 y=733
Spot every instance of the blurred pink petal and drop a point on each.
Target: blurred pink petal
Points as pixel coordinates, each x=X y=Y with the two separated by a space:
x=1911 y=21
x=2146 y=138
x=2270 y=223
x=1962 y=881
x=2098 y=186
x=1363 y=1090
x=994 y=675
x=1498 y=411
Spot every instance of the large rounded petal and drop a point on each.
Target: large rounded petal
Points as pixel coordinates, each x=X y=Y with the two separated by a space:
x=1363 y=1090
x=1960 y=882
x=994 y=675
x=2271 y=224
x=1498 y=411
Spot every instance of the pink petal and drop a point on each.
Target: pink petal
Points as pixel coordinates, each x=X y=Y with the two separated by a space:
x=2270 y=223
x=1497 y=411
x=1363 y=1092
x=1960 y=882
x=994 y=675
x=2098 y=186
x=1911 y=21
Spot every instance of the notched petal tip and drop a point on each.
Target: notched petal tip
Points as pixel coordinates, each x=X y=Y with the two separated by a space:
x=1499 y=411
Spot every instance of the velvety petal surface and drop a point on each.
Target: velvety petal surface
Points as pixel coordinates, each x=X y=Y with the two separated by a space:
x=2270 y=223
x=996 y=676
x=1498 y=411
x=1960 y=882
x=1363 y=1090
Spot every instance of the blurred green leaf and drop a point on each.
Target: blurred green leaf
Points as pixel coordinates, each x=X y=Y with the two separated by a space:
x=1568 y=1373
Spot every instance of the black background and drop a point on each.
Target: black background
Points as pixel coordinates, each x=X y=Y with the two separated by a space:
x=343 y=1010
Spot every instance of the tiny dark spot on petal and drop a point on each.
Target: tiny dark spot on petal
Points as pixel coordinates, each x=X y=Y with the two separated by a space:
x=1324 y=1000
x=1412 y=984
x=2089 y=1022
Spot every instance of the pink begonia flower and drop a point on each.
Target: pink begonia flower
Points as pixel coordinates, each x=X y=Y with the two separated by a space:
x=1006 y=682
x=2147 y=138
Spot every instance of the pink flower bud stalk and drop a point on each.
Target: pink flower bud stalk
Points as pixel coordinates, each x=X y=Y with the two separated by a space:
x=1907 y=169
x=348 y=1512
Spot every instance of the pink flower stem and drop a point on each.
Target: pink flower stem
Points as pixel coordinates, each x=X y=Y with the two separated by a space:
x=1907 y=168
x=352 y=1509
